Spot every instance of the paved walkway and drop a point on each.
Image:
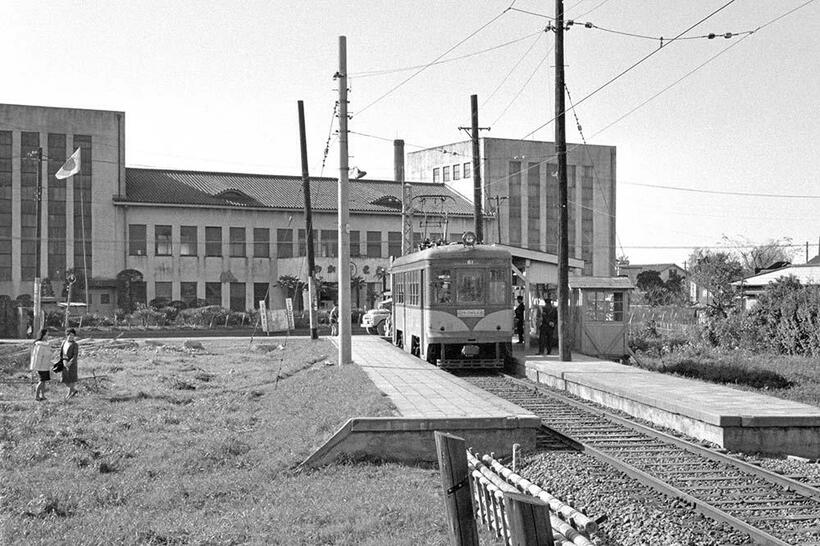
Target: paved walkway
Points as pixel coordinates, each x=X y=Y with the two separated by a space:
x=421 y=390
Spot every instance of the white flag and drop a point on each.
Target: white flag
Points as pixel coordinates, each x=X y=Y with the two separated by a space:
x=70 y=167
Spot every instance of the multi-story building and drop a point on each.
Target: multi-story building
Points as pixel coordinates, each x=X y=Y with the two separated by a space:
x=520 y=190
x=222 y=237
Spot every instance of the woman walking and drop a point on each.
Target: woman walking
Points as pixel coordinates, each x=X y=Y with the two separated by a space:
x=68 y=356
x=41 y=363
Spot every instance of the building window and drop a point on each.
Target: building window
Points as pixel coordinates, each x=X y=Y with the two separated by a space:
x=213 y=293
x=329 y=247
x=29 y=143
x=261 y=243
x=435 y=175
x=187 y=293
x=5 y=206
x=445 y=174
x=303 y=242
x=355 y=244
x=162 y=240
x=534 y=209
x=374 y=244
x=587 y=224
x=237 y=242
x=56 y=206
x=457 y=172
x=213 y=241
x=237 y=296
x=83 y=193
x=137 y=240
x=394 y=244
x=604 y=306
x=187 y=240
x=514 y=215
x=260 y=293
x=105 y=299
x=467 y=170
x=284 y=243
x=162 y=292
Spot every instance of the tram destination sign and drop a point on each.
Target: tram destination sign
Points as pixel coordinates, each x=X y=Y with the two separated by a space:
x=470 y=313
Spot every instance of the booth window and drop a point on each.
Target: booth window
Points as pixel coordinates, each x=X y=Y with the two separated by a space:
x=470 y=288
x=604 y=306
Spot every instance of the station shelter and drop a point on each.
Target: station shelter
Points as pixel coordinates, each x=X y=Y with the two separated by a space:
x=599 y=310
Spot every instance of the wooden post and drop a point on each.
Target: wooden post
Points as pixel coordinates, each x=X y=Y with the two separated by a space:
x=455 y=480
x=529 y=520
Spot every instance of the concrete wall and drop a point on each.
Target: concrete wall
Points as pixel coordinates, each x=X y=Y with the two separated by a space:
x=248 y=269
x=496 y=155
x=106 y=129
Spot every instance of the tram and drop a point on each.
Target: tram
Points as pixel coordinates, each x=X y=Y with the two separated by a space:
x=452 y=304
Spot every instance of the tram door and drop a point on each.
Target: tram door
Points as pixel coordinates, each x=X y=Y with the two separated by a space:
x=422 y=340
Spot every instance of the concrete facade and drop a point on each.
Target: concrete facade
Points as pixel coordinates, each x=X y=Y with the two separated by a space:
x=70 y=128
x=520 y=173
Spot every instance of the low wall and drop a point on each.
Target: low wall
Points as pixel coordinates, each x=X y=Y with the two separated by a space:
x=411 y=440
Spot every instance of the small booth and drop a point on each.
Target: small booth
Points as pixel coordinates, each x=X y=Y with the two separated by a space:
x=599 y=307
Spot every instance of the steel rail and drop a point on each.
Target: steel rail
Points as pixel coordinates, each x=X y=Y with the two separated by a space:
x=783 y=481
x=702 y=506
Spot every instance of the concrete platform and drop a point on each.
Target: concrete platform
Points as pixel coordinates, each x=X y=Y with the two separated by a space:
x=427 y=399
x=734 y=419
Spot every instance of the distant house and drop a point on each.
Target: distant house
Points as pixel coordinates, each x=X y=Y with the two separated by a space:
x=752 y=287
x=633 y=270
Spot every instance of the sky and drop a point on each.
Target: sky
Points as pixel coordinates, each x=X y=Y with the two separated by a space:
x=717 y=139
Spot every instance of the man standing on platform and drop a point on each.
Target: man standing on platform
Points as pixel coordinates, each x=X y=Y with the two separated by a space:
x=519 y=319
x=548 y=321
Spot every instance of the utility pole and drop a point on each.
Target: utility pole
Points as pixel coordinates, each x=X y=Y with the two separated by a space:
x=564 y=350
x=38 y=286
x=479 y=218
x=344 y=213
x=406 y=197
x=474 y=128
x=314 y=330
x=498 y=199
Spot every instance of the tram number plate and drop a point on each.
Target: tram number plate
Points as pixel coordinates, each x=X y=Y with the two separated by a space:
x=470 y=313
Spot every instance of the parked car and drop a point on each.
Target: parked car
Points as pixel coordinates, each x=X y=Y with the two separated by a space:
x=375 y=320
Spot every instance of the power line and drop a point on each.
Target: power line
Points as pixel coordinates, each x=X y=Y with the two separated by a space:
x=521 y=90
x=634 y=65
x=371 y=73
x=721 y=192
x=420 y=70
x=537 y=39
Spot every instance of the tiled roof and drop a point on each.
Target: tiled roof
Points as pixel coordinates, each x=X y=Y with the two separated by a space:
x=173 y=187
x=805 y=273
x=600 y=282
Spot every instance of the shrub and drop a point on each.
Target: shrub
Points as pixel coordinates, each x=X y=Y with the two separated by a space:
x=788 y=316
x=210 y=316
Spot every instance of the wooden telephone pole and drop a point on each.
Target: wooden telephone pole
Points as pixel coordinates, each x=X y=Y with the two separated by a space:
x=312 y=296
x=564 y=350
x=343 y=268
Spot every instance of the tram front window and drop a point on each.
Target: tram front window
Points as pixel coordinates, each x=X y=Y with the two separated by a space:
x=441 y=285
x=498 y=287
x=470 y=288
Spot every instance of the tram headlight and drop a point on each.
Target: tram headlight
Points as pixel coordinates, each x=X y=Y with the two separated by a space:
x=470 y=350
x=468 y=238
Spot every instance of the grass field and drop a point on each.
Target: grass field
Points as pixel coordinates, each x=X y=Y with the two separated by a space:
x=169 y=446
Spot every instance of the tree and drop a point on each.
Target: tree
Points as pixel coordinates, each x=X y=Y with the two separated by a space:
x=357 y=282
x=716 y=271
x=753 y=257
x=291 y=284
x=649 y=279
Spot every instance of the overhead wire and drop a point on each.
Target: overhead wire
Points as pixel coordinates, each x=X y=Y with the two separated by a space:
x=520 y=60
x=633 y=66
x=426 y=66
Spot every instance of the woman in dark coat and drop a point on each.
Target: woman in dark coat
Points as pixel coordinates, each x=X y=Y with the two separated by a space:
x=68 y=356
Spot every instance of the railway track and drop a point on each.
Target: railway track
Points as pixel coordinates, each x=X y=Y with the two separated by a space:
x=772 y=509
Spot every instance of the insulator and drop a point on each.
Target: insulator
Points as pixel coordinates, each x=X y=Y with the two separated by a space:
x=728 y=35
x=711 y=36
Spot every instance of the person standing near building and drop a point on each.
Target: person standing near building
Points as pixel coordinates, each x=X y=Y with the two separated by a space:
x=41 y=364
x=68 y=356
x=519 y=319
x=333 y=318
x=547 y=329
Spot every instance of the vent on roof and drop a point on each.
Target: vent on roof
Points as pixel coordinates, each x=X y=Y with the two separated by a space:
x=388 y=201
x=235 y=196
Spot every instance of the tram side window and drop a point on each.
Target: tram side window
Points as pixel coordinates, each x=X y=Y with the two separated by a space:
x=441 y=287
x=470 y=287
x=498 y=287
x=398 y=288
x=413 y=291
